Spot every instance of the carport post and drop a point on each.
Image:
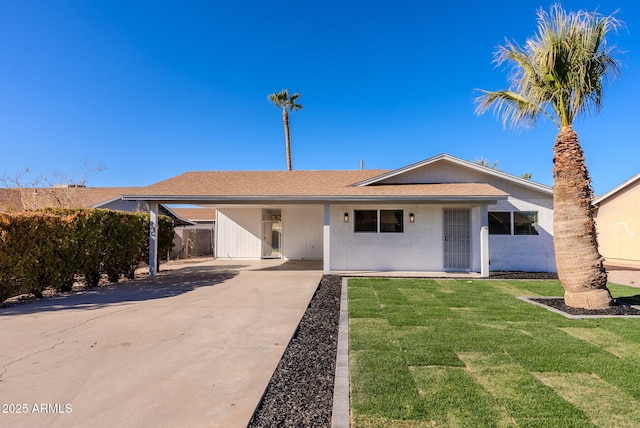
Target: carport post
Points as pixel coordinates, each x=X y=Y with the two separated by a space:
x=484 y=241
x=484 y=251
x=153 y=238
x=326 y=240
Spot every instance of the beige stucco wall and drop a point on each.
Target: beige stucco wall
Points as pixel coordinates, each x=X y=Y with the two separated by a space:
x=618 y=223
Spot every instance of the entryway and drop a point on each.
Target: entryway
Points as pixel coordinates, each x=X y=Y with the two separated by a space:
x=271 y=234
x=457 y=240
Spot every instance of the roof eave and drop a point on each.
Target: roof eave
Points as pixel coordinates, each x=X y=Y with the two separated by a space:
x=616 y=189
x=212 y=199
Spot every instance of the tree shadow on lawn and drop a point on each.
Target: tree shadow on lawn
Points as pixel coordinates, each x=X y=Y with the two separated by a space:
x=169 y=284
x=630 y=300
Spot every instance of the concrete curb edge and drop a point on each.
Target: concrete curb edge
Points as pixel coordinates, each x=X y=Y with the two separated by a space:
x=340 y=417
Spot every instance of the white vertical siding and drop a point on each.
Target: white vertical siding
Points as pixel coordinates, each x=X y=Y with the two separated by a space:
x=239 y=233
x=302 y=233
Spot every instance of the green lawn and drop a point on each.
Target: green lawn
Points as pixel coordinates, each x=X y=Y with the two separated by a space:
x=468 y=353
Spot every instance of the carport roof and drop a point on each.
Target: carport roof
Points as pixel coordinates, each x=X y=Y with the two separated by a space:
x=304 y=186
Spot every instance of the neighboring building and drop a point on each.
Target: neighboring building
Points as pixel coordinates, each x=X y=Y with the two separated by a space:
x=441 y=214
x=617 y=215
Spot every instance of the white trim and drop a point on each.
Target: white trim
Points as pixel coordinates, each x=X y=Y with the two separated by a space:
x=326 y=240
x=616 y=189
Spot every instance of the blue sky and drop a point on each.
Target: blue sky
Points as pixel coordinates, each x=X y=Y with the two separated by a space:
x=153 y=89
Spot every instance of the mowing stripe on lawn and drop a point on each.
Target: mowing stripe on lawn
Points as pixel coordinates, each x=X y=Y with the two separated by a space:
x=517 y=390
x=606 y=340
x=454 y=399
x=606 y=405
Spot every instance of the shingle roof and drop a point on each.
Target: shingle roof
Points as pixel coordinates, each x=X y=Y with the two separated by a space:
x=196 y=214
x=68 y=197
x=304 y=185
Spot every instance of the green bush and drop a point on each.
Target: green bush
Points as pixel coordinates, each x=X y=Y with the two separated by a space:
x=36 y=252
x=51 y=248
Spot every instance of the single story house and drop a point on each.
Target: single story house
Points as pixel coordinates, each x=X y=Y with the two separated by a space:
x=618 y=223
x=442 y=214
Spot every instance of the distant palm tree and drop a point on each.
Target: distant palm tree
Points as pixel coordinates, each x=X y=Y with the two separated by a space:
x=287 y=103
x=526 y=176
x=559 y=73
x=485 y=162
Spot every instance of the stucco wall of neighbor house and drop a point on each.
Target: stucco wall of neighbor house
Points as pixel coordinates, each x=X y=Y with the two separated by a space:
x=532 y=253
x=419 y=248
x=302 y=232
x=618 y=225
x=239 y=233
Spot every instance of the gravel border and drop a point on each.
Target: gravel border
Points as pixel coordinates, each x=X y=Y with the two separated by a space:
x=300 y=392
x=556 y=304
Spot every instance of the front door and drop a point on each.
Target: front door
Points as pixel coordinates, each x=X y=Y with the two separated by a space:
x=271 y=234
x=457 y=240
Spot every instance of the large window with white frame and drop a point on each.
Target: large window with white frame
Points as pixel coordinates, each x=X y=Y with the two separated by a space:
x=513 y=223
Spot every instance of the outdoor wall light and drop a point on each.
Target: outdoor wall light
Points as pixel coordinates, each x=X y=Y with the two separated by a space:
x=412 y=218
x=346 y=217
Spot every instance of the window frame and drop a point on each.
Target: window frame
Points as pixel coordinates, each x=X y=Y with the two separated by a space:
x=521 y=228
x=360 y=224
x=509 y=230
x=398 y=225
x=528 y=226
x=356 y=223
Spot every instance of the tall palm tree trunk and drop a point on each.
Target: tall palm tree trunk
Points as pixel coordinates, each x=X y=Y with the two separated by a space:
x=287 y=139
x=578 y=261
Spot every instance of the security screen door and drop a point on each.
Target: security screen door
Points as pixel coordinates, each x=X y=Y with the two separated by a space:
x=457 y=239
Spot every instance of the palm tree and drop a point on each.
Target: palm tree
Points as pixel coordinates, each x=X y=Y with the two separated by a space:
x=559 y=74
x=485 y=162
x=288 y=103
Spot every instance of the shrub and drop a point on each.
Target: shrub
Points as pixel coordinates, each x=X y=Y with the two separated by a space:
x=50 y=248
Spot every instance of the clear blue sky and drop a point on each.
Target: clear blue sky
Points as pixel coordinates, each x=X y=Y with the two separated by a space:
x=151 y=89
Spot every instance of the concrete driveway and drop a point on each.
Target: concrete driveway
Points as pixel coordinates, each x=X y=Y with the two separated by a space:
x=191 y=347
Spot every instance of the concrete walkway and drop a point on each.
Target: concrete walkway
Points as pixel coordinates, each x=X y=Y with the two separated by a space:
x=191 y=347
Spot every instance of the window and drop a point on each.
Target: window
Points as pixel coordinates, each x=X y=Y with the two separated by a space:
x=365 y=220
x=499 y=223
x=525 y=223
x=391 y=221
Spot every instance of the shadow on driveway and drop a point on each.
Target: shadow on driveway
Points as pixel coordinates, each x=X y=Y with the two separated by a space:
x=167 y=284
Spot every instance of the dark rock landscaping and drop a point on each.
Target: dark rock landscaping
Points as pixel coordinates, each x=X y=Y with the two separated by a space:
x=522 y=275
x=300 y=393
x=617 y=309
